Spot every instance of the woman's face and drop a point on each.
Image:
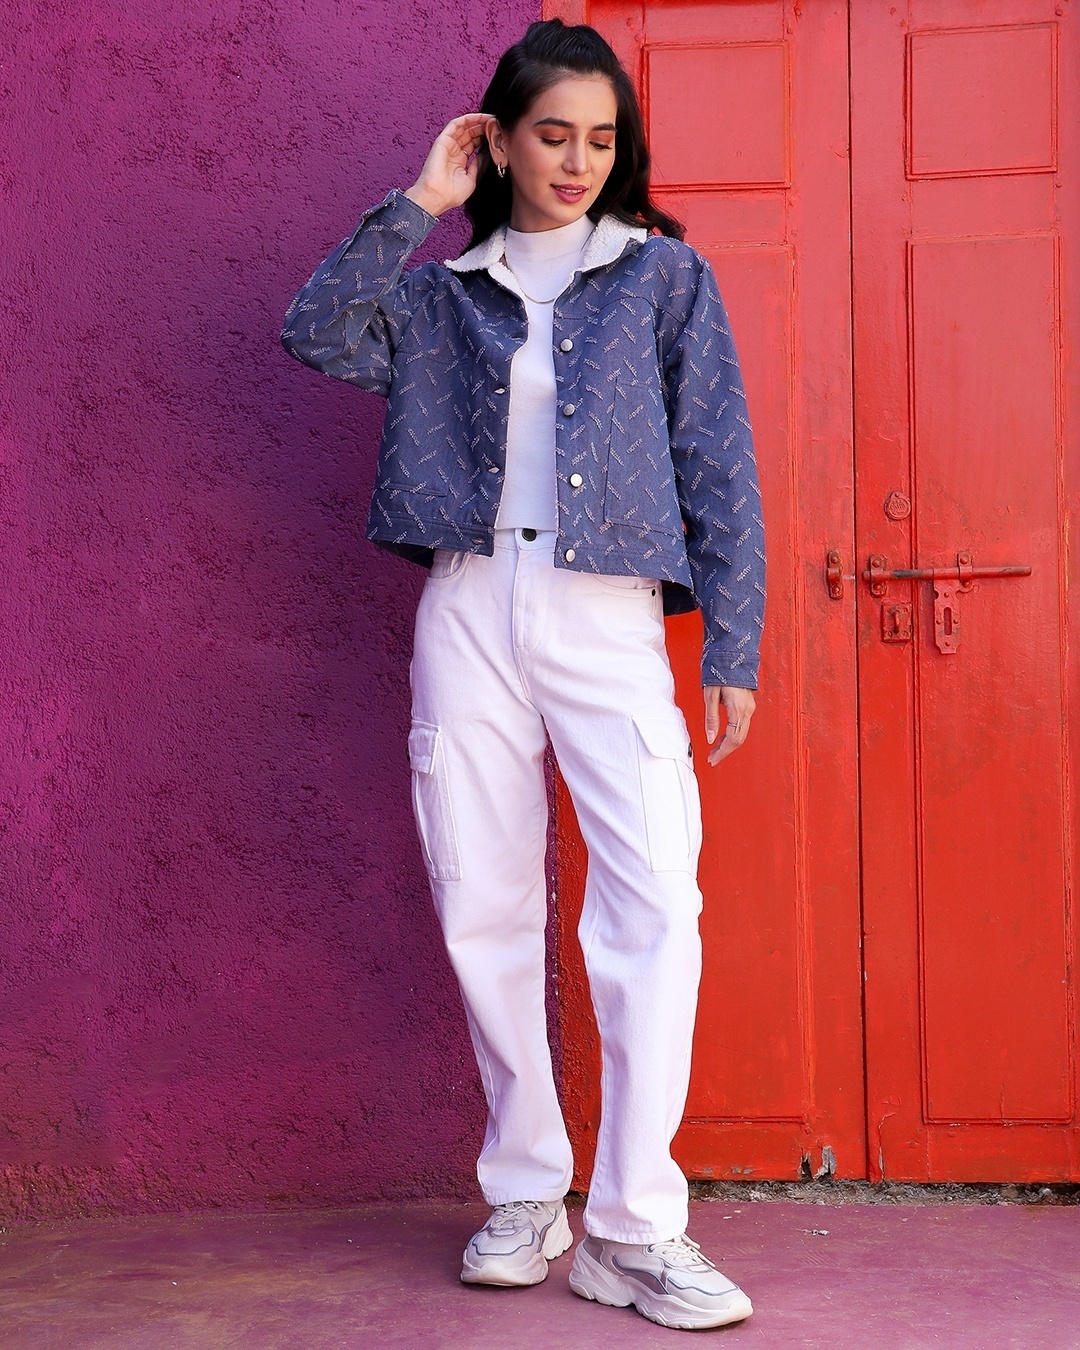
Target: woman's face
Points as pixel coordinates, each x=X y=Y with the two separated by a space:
x=560 y=153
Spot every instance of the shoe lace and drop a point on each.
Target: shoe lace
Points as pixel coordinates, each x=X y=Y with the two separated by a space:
x=681 y=1251
x=509 y=1216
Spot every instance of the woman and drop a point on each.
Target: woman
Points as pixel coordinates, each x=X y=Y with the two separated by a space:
x=567 y=448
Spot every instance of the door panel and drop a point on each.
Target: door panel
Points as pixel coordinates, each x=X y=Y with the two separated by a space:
x=990 y=768
x=748 y=118
x=963 y=127
x=739 y=86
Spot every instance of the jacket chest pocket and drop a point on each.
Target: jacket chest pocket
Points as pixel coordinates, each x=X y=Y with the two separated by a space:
x=640 y=486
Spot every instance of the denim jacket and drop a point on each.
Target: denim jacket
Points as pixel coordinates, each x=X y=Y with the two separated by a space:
x=655 y=465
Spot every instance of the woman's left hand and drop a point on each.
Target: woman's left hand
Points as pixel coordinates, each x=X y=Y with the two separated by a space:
x=739 y=706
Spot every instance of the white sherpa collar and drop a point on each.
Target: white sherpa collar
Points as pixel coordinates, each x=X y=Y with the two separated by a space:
x=606 y=243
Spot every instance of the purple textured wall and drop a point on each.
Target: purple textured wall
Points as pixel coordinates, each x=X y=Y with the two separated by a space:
x=222 y=983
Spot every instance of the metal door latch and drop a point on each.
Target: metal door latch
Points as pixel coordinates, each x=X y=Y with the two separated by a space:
x=949 y=584
x=946 y=616
x=896 y=623
x=834 y=574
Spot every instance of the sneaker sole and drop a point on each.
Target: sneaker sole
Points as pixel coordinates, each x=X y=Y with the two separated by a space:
x=591 y=1280
x=504 y=1274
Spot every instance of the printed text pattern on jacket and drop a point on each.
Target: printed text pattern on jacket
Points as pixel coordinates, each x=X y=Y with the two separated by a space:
x=654 y=453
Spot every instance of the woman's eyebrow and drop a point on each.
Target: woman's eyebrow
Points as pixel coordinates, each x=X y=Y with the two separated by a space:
x=562 y=122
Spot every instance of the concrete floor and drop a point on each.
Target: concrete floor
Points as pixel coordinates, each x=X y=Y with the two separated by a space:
x=863 y=1276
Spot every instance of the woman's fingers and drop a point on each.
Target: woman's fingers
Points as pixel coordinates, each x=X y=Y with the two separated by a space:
x=734 y=735
x=712 y=712
x=448 y=175
x=467 y=131
x=739 y=705
x=471 y=119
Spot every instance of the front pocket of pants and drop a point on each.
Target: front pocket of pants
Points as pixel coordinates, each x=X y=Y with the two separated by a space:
x=669 y=793
x=446 y=563
x=626 y=584
x=431 y=803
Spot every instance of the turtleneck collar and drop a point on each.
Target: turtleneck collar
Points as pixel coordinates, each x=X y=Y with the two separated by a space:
x=562 y=242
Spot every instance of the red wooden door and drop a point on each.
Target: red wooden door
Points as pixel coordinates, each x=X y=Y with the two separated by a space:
x=966 y=183
x=906 y=785
x=747 y=109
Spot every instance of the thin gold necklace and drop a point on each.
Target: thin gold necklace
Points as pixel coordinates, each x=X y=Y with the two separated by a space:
x=535 y=299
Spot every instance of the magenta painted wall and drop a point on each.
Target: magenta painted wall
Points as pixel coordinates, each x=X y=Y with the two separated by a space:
x=222 y=983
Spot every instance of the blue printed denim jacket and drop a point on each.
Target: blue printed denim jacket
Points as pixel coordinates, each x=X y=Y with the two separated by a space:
x=654 y=454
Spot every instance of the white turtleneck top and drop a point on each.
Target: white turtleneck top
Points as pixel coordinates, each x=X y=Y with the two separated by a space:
x=543 y=261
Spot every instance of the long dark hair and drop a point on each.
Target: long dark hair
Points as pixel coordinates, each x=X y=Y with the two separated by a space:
x=549 y=51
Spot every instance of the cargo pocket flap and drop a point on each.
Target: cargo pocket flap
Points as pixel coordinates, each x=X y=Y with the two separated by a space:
x=663 y=737
x=423 y=740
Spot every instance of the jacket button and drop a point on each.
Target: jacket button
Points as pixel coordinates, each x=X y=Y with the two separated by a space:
x=566 y=345
x=568 y=409
x=576 y=480
x=500 y=390
x=494 y=469
x=569 y=555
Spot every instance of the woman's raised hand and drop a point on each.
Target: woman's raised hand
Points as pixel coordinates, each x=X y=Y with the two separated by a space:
x=450 y=170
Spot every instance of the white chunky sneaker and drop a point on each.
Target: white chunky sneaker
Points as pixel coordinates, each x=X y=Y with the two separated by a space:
x=517 y=1242
x=668 y=1282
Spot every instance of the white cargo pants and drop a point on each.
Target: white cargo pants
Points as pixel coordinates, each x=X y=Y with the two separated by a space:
x=509 y=651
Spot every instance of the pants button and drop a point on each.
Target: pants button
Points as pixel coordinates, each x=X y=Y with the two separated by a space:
x=530 y=535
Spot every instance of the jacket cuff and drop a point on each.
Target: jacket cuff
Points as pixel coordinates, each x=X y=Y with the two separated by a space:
x=402 y=215
x=729 y=668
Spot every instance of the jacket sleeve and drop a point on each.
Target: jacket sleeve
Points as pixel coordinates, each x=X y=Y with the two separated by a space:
x=349 y=318
x=713 y=453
